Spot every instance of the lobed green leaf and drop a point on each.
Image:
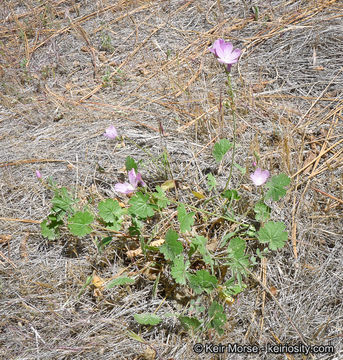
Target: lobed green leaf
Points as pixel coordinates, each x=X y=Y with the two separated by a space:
x=262 y=212
x=179 y=269
x=130 y=164
x=276 y=186
x=79 y=223
x=211 y=182
x=147 y=319
x=202 y=281
x=110 y=210
x=199 y=244
x=221 y=148
x=161 y=198
x=171 y=247
x=218 y=317
x=140 y=206
x=186 y=220
x=190 y=323
x=274 y=234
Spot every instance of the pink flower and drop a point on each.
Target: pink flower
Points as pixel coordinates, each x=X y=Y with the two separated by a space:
x=38 y=174
x=111 y=132
x=254 y=164
x=225 y=53
x=131 y=186
x=259 y=177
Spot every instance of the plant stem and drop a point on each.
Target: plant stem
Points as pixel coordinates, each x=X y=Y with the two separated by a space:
x=233 y=114
x=211 y=213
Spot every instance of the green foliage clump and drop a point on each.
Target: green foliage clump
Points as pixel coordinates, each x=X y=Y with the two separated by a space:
x=212 y=278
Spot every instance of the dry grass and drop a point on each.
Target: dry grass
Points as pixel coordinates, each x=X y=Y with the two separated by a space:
x=55 y=57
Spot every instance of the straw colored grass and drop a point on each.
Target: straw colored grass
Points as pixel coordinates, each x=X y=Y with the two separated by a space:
x=70 y=69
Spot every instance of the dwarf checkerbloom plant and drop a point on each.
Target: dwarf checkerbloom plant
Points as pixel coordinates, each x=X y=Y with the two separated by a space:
x=225 y=53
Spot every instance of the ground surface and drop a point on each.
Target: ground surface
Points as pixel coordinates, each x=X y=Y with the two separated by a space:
x=69 y=69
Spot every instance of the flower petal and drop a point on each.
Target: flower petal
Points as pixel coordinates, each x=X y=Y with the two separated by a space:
x=38 y=174
x=133 y=178
x=140 y=180
x=259 y=177
x=124 y=188
x=225 y=53
x=236 y=54
x=111 y=132
x=226 y=48
x=215 y=46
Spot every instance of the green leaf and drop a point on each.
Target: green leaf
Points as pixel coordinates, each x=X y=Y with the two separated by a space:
x=237 y=247
x=262 y=211
x=140 y=206
x=273 y=233
x=135 y=336
x=143 y=244
x=256 y=12
x=136 y=226
x=218 y=317
x=221 y=148
x=190 y=323
x=62 y=200
x=50 y=230
x=130 y=164
x=199 y=243
x=186 y=220
x=251 y=231
x=178 y=269
x=237 y=260
x=88 y=282
x=79 y=223
x=123 y=280
x=116 y=226
x=172 y=246
x=155 y=286
x=56 y=214
x=228 y=236
x=239 y=264
x=103 y=243
x=231 y=195
x=147 y=319
x=276 y=186
x=211 y=182
x=202 y=281
x=160 y=198
x=233 y=289
x=110 y=210
x=52 y=183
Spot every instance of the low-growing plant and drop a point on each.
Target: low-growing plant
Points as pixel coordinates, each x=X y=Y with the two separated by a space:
x=106 y=42
x=207 y=273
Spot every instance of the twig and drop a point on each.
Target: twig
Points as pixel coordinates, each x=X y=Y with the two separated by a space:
x=316 y=158
x=328 y=195
x=21 y=220
x=8 y=260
